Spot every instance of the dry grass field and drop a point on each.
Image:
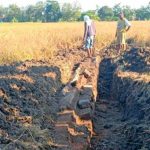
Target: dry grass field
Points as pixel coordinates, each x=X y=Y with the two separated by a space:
x=31 y=97
x=26 y=41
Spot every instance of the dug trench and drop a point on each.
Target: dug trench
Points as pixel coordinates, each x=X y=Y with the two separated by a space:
x=119 y=116
x=105 y=104
x=122 y=114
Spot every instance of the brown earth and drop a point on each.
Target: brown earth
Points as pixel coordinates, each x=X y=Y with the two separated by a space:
x=30 y=98
x=29 y=95
x=122 y=117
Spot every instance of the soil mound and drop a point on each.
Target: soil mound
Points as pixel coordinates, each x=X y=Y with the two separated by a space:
x=122 y=113
x=27 y=104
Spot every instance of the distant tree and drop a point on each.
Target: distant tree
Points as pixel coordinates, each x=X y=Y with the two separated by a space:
x=23 y=17
x=129 y=13
x=71 y=12
x=2 y=13
x=116 y=10
x=30 y=14
x=39 y=10
x=14 y=20
x=143 y=13
x=76 y=9
x=91 y=13
x=67 y=12
x=106 y=13
x=13 y=11
x=52 y=11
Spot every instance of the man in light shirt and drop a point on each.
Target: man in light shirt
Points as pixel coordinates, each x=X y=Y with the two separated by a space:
x=123 y=27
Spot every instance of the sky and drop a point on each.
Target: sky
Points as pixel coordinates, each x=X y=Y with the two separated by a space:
x=86 y=4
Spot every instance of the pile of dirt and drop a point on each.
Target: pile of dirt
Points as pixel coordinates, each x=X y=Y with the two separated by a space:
x=122 y=113
x=131 y=87
x=29 y=95
x=27 y=104
x=131 y=82
x=66 y=59
x=136 y=60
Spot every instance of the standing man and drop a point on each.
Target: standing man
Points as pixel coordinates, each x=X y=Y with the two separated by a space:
x=122 y=27
x=89 y=35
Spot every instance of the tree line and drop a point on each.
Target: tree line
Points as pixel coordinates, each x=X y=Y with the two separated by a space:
x=51 y=11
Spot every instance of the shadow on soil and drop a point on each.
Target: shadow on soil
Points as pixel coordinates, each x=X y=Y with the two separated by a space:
x=121 y=118
x=136 y=60
x=28 y=105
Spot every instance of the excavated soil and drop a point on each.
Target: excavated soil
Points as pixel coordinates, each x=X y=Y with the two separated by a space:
x=30 y=97
x=122 y=115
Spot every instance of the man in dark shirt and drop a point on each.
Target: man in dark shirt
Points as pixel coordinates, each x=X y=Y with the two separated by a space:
x=89 y=34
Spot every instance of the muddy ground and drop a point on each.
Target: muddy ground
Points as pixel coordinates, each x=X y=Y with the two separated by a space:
x=30 y=93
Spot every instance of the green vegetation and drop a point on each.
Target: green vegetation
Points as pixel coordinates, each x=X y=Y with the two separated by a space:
x=51 y=11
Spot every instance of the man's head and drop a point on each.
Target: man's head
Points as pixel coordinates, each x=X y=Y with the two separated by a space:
x=121 y=15
x=86 y=18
